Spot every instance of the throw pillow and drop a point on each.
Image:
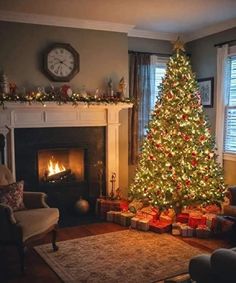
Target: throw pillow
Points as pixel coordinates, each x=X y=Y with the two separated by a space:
x=12 y=195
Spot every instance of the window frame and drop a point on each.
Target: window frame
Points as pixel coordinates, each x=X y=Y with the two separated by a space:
x=228 y=155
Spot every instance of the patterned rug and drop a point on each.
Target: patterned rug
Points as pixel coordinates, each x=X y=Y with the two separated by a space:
x=128 y=256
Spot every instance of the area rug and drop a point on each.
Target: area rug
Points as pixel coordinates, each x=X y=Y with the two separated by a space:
x=128 y=256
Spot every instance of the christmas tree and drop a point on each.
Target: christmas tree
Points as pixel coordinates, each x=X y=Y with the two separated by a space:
x=177 y=164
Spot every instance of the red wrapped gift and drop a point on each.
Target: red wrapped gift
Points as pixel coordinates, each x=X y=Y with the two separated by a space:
x=159 y=227
x=182 y=218
x=150 y=212
x=194 y=221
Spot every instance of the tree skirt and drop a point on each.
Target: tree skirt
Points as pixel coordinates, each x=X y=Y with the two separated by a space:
x=124 y=256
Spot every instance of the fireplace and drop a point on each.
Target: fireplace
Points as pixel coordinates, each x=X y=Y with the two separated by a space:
x=60 y=165
x=15 y=117
x=72 y=155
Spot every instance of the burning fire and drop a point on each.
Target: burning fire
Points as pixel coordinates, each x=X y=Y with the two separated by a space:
x=54 y=167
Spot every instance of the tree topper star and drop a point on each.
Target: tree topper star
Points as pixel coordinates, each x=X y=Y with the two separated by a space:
x=178 y=45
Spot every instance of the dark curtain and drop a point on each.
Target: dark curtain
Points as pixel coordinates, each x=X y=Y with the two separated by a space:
x=140 y=92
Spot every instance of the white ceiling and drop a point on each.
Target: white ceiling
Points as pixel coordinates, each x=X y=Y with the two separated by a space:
x=164 y=19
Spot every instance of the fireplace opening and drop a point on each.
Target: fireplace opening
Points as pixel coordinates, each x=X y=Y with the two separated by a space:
x=60 y=165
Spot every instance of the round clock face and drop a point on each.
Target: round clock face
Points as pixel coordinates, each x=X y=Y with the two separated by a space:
x=61 y=62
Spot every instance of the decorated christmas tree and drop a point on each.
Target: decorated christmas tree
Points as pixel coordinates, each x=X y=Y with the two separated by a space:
x=177 y=164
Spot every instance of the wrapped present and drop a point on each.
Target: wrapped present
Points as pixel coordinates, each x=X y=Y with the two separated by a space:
x=117 y=217
x=182 y=217
x=191 y=231
x=166 y=218
x=202 y=231
x=135 y=205
x=186 y=231
x=159 y=226
x=142 y=215
x=134 y=222
x=176 y=229
x=194 y=221
x=212 y=208
x=210 y=220
x=124 y=205
x=110 y=216
x=168 y=212
x=125 y=218
x=150 y=212
x=143 y=224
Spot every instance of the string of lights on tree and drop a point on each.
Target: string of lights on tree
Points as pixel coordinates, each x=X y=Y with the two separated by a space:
x=177 y=164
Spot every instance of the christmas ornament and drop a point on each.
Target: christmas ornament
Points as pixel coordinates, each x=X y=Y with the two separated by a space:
x=81 y=206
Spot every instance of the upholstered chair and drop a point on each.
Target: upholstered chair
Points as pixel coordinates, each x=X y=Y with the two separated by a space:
x=34 y=220
x=218 y=267
x=230 y=209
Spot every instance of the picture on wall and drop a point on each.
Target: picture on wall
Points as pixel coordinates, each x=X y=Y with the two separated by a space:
x=206 y=89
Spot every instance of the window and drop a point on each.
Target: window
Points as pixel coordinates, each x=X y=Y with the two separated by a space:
x=157 y=73
x=159 y=69
x=230 y=108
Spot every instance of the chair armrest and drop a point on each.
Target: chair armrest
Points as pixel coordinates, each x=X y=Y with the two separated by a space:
x=223 y=262
x=7 y=223
x=34 y=200
x=6 y=215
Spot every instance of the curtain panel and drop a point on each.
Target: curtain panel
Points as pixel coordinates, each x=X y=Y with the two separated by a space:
x=140 y=92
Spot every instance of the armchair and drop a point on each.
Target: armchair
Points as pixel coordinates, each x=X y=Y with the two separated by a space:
x=219 y=267
x=230 y=209
x=22 y=227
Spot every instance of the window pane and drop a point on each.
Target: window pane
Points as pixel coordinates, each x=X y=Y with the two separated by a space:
x=230 y=129
x=160 y=71
x=230 y=110
x=232 y=82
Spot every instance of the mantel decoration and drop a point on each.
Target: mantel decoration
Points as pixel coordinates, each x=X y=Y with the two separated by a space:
x=61 y=95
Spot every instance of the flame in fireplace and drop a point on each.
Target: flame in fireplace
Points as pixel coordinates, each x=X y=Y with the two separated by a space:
x=54 y=167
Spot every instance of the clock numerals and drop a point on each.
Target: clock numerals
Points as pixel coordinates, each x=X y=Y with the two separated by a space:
x=62 y=62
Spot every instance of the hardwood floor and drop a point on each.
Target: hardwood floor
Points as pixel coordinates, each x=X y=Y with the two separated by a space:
x=37 y=271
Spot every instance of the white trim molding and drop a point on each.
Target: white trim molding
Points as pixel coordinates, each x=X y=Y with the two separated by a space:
x=153 y=35
x=63 y=22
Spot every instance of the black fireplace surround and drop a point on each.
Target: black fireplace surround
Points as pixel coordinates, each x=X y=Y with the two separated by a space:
x=29 y=141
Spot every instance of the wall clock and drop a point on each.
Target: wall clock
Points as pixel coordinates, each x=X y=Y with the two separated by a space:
x=61 y=62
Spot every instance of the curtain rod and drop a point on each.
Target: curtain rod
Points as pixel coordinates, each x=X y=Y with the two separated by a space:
x=149 y=53
x=225 y=42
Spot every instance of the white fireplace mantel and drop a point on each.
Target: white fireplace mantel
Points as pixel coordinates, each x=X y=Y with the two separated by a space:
x=16 y=115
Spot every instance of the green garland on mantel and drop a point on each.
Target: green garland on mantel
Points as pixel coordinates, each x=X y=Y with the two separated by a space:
x=59 y=96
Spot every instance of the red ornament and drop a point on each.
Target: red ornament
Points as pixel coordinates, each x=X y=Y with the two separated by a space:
x=186 y=137
x=158 y=145
x=194 y=162
x=194 y=154
x=170 y=95
x=184 y=117
x=188 y=182
x=149 y=136
x=66 y=90
x=202 y=138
